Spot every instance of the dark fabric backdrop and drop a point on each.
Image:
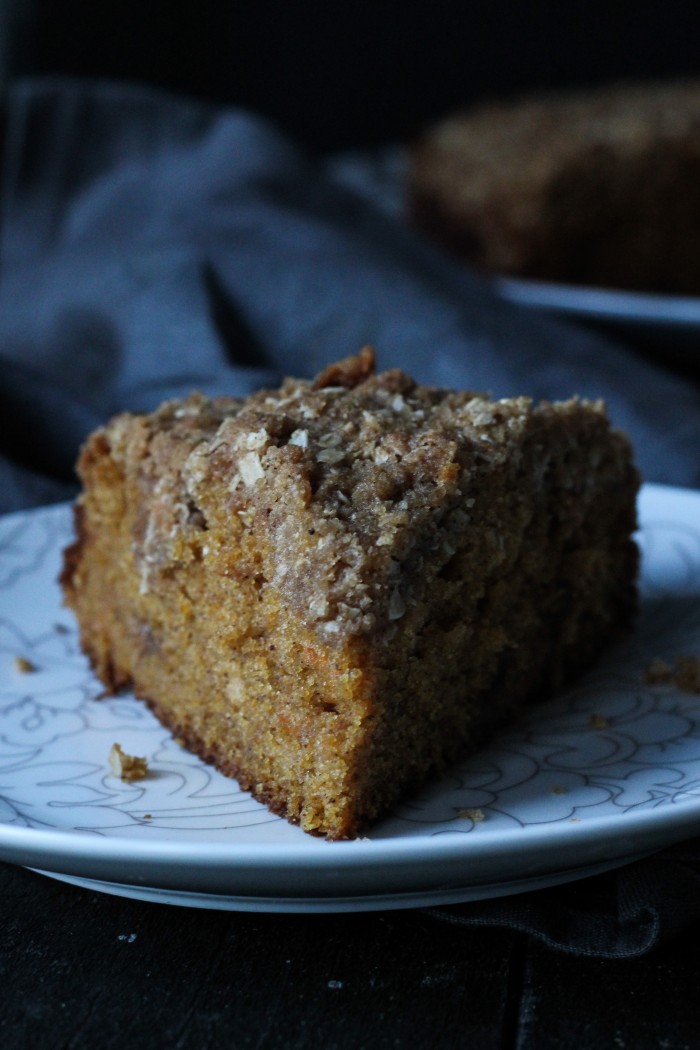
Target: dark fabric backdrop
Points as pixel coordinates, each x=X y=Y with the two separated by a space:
x=338 y=74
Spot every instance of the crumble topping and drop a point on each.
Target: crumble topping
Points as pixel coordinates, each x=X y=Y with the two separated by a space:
x=250 y=470
x=357 y=479
x=349 y=372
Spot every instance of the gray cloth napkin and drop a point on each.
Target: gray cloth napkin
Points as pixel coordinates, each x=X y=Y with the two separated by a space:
x=150 y=246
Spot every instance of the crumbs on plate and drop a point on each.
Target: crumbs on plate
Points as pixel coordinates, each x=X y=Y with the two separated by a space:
x=475 y=815
x=23 y=665
x=684 y=673
x=128 y=767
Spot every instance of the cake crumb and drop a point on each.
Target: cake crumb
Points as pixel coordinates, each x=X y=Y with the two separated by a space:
x=598 y=721
x=684 y=674
x=24 y=666
x=658 y=672
x=128 y=767
x=558 y=790
x=475 y=815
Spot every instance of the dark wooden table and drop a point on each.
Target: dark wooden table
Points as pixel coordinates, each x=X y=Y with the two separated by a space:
x=83 y=969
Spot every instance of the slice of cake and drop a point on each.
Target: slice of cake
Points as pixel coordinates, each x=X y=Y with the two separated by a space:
x=597 y=187
x=334 y=589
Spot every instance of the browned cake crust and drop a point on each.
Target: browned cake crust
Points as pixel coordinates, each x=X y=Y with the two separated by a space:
x=599 y=187
x=332 y=590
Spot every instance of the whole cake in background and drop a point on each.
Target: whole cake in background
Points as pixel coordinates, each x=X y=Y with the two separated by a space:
x=334 y=589
x=597 y=187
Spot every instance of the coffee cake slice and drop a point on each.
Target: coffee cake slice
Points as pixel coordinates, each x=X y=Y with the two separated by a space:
x=334 y=589
x=595 y=186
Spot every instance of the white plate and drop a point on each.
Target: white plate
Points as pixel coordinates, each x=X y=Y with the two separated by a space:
x=666 y=323
x=606 y=772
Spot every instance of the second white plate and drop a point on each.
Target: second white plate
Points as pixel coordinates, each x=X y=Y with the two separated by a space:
x=667 y=324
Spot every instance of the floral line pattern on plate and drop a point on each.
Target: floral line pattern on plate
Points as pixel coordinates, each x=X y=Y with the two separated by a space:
x=608 y=746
